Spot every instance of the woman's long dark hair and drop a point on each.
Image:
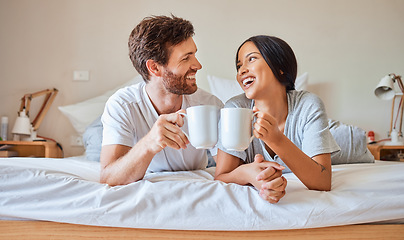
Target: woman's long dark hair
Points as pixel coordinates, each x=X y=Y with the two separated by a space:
x=279 y=57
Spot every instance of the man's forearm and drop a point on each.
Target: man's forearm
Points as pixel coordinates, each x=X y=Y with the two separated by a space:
x=129 y=167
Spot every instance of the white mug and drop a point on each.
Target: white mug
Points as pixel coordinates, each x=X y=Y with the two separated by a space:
x=236 y=128
x=202 y=126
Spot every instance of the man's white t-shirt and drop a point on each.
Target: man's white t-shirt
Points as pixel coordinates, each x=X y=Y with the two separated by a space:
x=129 y=115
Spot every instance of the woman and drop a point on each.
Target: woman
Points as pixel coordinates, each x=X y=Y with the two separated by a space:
x=291 y=128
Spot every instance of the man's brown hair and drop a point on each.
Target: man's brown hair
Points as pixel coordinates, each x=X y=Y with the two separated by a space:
x=152 y=39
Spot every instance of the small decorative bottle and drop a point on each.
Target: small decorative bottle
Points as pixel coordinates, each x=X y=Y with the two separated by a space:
x=371 y=137
x=4 y=128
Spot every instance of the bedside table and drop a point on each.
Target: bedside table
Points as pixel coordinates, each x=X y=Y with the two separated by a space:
x=386 y=152
x=34 y=149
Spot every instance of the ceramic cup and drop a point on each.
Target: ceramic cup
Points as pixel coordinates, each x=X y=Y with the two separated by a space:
x=202 y=126
x=236 y=128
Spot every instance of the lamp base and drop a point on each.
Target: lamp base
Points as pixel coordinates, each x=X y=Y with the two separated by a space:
x=31 y=138
x=395 y=143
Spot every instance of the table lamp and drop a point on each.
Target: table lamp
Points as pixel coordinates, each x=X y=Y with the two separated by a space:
x=385 y=91
x=25 y=130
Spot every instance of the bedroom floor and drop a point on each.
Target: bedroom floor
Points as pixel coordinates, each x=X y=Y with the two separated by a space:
x=51 y=230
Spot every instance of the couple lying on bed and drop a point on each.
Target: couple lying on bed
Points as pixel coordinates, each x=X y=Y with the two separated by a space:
x=141 y=124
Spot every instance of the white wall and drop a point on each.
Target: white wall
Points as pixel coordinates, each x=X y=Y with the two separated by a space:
x=346 y=46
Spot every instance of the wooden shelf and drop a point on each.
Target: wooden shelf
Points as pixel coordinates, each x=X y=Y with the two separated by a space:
x=380 y=152
x=34 y=149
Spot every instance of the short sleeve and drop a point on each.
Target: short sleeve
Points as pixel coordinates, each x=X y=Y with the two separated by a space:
x=117 y=128
x=317 y=138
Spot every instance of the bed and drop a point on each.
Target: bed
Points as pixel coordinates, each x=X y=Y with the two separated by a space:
x=52 y=198
x=67 y=190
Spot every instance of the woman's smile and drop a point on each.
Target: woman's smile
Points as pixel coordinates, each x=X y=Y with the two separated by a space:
x=247 y=82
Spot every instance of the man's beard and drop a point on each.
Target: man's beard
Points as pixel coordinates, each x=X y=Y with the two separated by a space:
x=178 y=84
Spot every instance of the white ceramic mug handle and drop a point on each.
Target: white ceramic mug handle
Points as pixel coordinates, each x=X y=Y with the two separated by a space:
x=252 y=118
x=185 y=116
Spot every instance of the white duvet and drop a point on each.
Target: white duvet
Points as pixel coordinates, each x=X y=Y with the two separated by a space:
x=67 y=190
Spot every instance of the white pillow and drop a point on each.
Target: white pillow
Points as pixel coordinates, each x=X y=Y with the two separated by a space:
x=302 y=81
x=225 y=89
x=84 y=113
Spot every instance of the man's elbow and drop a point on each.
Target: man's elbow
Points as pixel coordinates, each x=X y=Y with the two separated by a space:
x=111 y=181
x=106 y=180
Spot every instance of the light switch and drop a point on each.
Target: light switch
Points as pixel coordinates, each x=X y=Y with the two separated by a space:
x=81 y=75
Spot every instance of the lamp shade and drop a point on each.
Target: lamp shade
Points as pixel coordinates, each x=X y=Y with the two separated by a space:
x=385 y=88
x=22 y=124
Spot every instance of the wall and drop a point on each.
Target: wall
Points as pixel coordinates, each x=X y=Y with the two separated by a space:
x=346 y=46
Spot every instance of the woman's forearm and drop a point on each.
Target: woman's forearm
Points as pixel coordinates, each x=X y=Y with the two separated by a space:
x=314 y=173
x=235 y=176
x=242 y=175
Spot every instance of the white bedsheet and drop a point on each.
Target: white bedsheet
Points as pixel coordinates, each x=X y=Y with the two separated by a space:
x=67 y=190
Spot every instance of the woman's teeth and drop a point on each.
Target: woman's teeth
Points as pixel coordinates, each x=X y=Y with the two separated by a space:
x=248 y=81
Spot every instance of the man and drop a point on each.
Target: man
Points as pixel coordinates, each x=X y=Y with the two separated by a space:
x=141 y=125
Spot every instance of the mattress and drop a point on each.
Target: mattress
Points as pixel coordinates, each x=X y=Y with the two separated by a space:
x=68 y=190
